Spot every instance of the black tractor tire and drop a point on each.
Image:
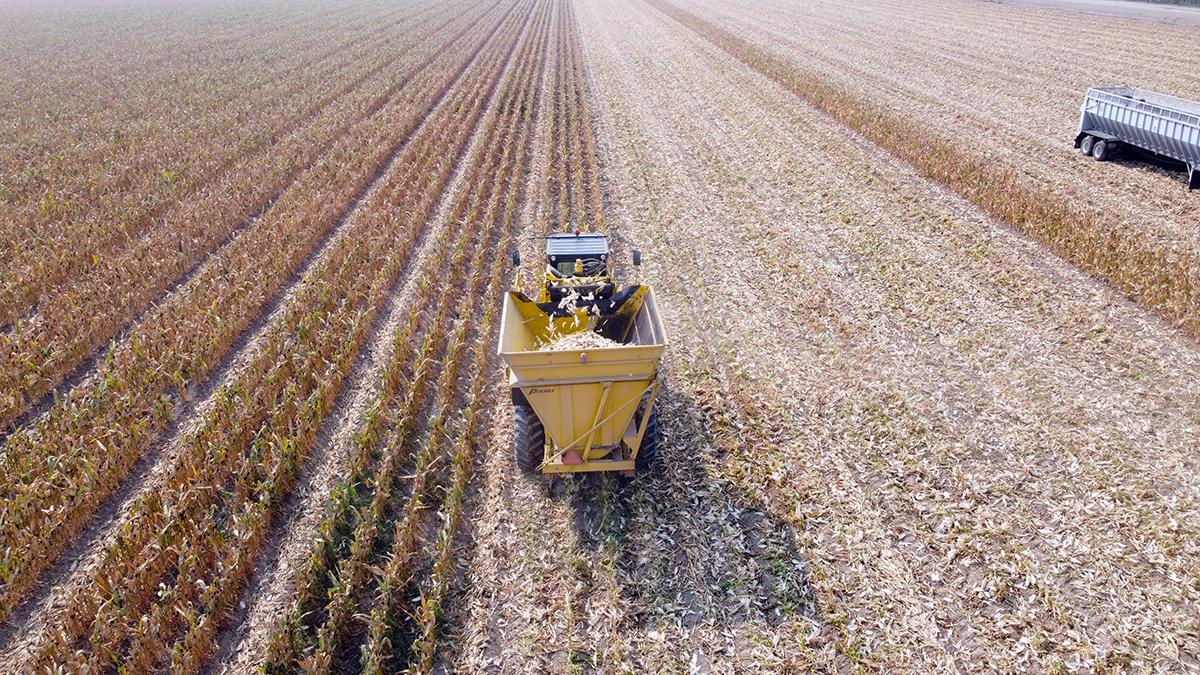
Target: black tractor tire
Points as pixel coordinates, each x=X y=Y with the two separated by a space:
x=648 y=453
x=1102 y=151
x=1085 y=145
x=529 y=439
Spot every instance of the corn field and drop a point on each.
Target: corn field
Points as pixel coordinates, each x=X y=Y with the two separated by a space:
x=930 y=403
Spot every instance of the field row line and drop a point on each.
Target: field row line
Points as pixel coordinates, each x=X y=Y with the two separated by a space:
x=325 y=578
x=388 y=609
x=288 y=390
x=104 y=194
x=334 y=583
x=59 y=471
x=40 y=352
x=502 y=222
x=573 y=192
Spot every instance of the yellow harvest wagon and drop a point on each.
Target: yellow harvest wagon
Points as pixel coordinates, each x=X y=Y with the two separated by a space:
x=588 y=405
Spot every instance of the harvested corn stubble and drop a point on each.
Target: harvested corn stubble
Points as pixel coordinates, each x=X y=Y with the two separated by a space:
x=585 y=340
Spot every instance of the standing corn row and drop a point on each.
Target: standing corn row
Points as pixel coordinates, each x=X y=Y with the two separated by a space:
x=484 y=226
x=74 y=320
x=573 y=193
x=56 y=474
x=68 y=239
x=285 y=388
x=590 y=169
x=331 y=620
x=463 y=458
x=432 y=593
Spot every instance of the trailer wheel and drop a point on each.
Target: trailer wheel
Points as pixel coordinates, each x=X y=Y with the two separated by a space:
x=1085 y=145
x=1101 y=151
x=529 y=439
x=649 y=450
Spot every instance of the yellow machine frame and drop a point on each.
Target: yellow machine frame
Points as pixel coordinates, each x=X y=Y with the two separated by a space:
x=586 y=399
x=632 y=438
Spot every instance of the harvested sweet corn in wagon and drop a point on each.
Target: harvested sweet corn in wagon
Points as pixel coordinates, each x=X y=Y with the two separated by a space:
x=582 y=340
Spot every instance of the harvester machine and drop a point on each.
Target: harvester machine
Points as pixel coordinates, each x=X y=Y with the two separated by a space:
x=582 y=363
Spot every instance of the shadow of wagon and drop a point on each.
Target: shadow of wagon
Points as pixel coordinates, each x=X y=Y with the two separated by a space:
x=691 y=551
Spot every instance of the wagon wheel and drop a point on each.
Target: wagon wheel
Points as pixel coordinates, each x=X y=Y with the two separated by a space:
x=1085 y=146
x=1101 y=151
x=649 y=450
x=529 y=439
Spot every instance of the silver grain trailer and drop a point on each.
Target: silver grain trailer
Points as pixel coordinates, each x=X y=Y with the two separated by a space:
x=1157 y=123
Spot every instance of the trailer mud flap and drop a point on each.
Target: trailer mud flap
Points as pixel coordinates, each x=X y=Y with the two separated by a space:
x=1194 y=178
